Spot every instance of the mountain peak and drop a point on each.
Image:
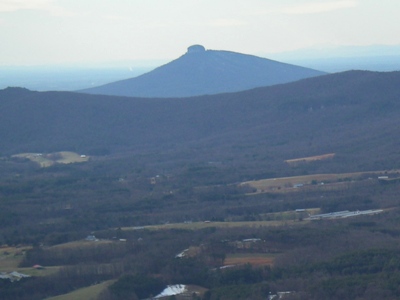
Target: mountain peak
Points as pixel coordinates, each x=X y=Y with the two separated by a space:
x=201 y=72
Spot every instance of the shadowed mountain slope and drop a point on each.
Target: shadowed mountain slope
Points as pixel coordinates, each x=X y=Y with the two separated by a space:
x=354 y=114
x=201 y=72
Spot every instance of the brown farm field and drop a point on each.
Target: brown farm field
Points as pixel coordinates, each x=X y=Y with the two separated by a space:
x=208 y=224
x=296 y=161
x=326 y=181
x=255 y=259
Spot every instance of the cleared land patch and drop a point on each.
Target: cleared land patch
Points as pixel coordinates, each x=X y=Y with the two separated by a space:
x=329 y=181
x=201 y=225
x=296 y=161
x=80 y=243
x=11 y=257
x=256 y=259
x=87 y=293
x=49 y=159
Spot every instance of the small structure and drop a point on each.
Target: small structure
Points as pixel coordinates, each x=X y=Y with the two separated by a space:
x=91 y=238
x=38 y=267
x=251 y=243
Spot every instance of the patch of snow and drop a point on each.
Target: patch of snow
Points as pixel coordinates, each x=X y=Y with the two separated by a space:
x=171 y=290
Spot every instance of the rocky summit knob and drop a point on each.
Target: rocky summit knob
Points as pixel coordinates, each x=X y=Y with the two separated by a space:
x=196 y=48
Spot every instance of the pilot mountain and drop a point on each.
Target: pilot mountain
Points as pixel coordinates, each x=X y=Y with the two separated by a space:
x=201 y=72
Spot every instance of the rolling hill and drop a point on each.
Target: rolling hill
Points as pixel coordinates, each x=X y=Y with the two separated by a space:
x=179 y=174
x=353 y=114
x=201 y=72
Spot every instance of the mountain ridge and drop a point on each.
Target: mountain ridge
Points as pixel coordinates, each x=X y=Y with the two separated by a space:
x=354 y=114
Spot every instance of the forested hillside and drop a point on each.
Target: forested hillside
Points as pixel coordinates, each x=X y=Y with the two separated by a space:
x=290 y=190
x=353 y=114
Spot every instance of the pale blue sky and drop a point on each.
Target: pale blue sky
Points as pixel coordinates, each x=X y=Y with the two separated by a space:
x=46 y=32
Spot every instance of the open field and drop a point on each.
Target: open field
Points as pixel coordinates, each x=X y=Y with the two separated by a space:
x=34 y=272
x=81 y=243
x=87 y=293
x=256 y=259
x=207 y=224
x=316 y=180
x=296 y=161
x=10 y=258
x=47 y=160
x=290 y=215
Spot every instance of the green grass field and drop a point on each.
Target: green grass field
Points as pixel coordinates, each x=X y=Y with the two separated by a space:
x=207 y=224
x=81 y=243
x=87 y=293
x=11 y=257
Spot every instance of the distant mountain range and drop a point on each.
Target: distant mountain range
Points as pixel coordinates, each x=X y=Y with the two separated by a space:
x=382 y=58
x=355 y=114
x=204 y=72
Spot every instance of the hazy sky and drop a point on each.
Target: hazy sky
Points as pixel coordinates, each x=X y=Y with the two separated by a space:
x=37 y=32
